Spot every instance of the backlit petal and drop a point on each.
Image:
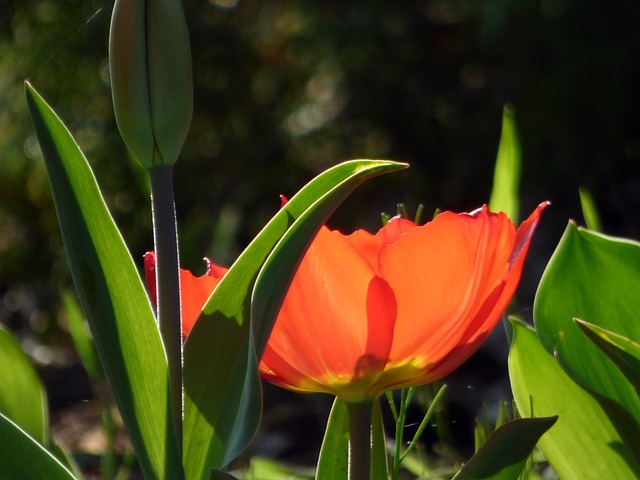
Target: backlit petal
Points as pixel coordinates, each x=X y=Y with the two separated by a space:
x=336 y=323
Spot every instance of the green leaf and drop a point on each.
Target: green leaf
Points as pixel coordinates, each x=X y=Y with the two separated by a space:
x=622 y=350
x=266 y=469
x=81 y=336
x=222 y=389
x=505 y=453
x=583 y=444
x=22 y=396
x=334 y=454
x=22 y=457
x=590 y=211
x=595 y=278
x=506 y=177
x=112 y=296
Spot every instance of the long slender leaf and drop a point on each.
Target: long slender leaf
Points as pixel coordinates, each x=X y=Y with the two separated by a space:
x=81 y=337
x=584 y=444
x=506 y=177
x=22 y=396
x=112 y=296
x=590 y=211
x=24 y=458
x=222 y=390
x=504 y=455
x=334 y=454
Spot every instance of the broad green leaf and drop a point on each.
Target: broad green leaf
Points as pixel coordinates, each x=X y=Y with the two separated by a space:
x=622 y=350
x=22 y=396
x=334 y=454
x=583 y=444
x=23 y=458
x=505 y=453
x=506 y=177
x=590 y=211
x=112 y=296
x=222 y=390
x=595 y=278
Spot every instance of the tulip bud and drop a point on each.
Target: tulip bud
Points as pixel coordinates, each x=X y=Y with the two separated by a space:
x=151 y=78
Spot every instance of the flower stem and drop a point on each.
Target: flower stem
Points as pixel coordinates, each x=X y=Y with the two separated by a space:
x=360 y=440
x=165 y=239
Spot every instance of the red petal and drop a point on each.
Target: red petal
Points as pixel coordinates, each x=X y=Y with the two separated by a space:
x=194 y=291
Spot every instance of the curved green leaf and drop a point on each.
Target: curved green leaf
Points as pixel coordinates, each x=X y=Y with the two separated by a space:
x=622 y=350
x=24 y=458
x=583 y=444
x=112 y=296
x=504 y=455
x=595 y=278
x=22 y=396
x=222 y=390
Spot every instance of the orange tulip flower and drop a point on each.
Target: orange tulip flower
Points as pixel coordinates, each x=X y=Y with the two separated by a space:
x=370 y=313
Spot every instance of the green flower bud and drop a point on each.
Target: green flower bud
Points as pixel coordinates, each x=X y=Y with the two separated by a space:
x=151 y=78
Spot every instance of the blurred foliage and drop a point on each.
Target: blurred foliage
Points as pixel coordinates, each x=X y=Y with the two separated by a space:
x=286 y=88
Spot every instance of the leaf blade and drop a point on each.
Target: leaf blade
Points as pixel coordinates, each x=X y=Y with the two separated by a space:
x=112 y=296
x=583 y=444
x=27 y=458
x=22 y=396
x=504 y=455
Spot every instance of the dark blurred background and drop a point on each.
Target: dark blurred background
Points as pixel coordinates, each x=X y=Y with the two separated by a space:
x=287 y=88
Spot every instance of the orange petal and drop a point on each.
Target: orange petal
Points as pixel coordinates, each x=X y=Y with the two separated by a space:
x=194 y=291
x=487 y=319
x=336 y=323
x=442 y=274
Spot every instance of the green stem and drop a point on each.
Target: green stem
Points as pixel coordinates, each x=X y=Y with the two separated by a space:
x=165 y=238
x=360 y=440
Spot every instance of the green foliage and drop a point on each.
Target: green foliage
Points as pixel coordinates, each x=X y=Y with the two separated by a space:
x=597 y=279
x=24 y=458
x=222 y=391
x=590 y=211
x=505 y=453
x=112 y=296
x=265 y=469
x=22 y=396
x=624 y=352
x=584 y=443
x=81 y=336
x=333 y=461
x=506 y=177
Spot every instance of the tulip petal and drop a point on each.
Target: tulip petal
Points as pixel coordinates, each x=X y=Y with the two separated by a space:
x=441 y=274
x=336 y=324
x=495 y=305
x=194 y=291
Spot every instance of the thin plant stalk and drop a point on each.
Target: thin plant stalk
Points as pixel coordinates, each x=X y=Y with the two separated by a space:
x=360 y=440
x=165 y=239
